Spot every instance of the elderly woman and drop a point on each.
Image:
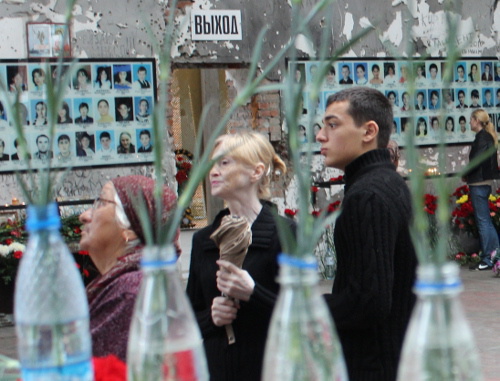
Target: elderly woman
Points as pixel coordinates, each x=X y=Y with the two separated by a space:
x=114 y=238
x=241 y=178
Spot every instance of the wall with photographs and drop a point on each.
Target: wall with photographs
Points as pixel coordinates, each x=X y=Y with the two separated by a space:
x=475 y=84
x=105 y=118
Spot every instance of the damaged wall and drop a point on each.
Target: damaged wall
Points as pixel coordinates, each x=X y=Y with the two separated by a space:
x=113 y=29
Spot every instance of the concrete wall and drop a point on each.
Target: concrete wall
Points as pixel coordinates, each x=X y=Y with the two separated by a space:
x=112 y=29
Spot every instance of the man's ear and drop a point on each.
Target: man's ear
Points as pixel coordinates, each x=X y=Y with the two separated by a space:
x=258 y=172
x=371 y=132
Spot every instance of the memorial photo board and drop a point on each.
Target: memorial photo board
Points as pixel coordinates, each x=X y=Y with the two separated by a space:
x=105 y=118
x=432 y=106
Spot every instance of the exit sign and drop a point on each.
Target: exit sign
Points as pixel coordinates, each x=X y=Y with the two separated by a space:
x=213 y=25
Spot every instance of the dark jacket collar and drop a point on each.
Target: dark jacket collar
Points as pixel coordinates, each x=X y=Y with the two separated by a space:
x=366 y=162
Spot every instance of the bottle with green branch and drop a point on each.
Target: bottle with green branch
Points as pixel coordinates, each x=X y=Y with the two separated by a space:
x=50 y=309
x=439 y=344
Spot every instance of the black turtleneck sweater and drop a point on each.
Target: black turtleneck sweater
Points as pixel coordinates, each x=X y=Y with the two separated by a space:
x=372 y=296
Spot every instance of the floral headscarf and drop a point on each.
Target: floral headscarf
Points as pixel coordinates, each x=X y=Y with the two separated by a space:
x=130 y=188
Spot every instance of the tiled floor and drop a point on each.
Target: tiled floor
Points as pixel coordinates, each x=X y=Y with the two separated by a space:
x=481 y=301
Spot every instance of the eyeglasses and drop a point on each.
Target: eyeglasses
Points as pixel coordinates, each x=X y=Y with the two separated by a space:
x=100 y=202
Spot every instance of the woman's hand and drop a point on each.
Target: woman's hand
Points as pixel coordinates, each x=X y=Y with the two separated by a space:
x=224 y=311
x=234 y=282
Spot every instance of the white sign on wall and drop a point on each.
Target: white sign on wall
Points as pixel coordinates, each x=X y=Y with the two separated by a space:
x=215 y=25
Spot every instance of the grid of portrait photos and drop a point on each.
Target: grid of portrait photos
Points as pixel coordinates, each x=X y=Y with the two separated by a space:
x=105 y=118
x=475 y=84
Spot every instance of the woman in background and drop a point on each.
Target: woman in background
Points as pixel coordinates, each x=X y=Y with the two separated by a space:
x=479 y=180
x=125 y=145
x=241 y=176
x=63 y=116
x=102 y=82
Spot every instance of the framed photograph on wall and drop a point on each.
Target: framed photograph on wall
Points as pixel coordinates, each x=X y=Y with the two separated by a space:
x=48 y=40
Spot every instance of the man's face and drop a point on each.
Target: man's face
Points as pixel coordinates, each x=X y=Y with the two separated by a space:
x=63 y=146
x=345 y=72
x=433 y=72
x=145 y=139
x=360 y=73
x=84 y=111
x=461 y=98
x=460 y=71
x=392 y=99
x=434 y=99
x=105 y=142
x=42 y=144
x=475 y=100
x=143 y=107
x=340 y=138
x=463 y=125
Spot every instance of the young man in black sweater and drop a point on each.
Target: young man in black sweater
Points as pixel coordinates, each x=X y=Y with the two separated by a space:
x=372 y=298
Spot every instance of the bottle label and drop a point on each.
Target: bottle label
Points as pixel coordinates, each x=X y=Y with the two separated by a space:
x=73 y=372
x=183 y=366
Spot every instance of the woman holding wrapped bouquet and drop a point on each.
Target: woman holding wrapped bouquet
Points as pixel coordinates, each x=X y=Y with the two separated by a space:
x=479 y=179
x=234 y=326
x=114 y=239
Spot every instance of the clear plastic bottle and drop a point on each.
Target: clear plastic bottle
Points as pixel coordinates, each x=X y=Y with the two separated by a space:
x=439 y=344
x=330 y=263
x=302 y=343
x=164 y=342
x=50 y=309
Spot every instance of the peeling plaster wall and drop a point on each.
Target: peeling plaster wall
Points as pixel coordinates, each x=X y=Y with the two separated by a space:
x=104 y=28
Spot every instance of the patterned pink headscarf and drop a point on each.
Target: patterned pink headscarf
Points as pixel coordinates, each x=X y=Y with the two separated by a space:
x=131 y=188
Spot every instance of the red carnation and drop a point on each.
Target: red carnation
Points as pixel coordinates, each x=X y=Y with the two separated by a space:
x=181 y=176
x=18 y=254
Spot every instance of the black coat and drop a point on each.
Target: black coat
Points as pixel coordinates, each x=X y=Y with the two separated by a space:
x=242 y=360
x=372 y=298
x=488 y=168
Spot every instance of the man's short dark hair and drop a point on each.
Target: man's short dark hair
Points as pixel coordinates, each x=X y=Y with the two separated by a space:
x=141 y=68
x=145 y=132
x=367 y=104
x=82 y=105
x=41 y=136
x=63 y=137
x=104 y=134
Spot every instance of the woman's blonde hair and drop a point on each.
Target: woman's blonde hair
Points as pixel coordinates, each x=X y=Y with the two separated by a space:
x=250 y=148
x=484 y=119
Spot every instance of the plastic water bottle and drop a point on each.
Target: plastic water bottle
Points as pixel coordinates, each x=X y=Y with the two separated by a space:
x=302 y=343
x=439 y=344
x=165 y=342
x=330 y=263
x=50 y=308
